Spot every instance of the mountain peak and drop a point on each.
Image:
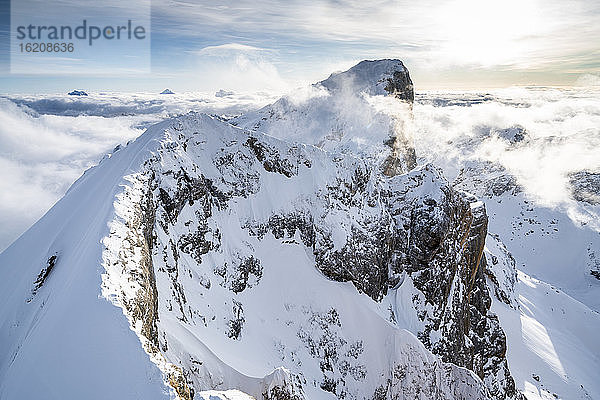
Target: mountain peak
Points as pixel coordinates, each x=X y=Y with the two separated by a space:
x=375 y=77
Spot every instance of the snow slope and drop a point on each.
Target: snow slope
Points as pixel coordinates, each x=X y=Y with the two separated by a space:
x=66 y=339
x=554 y=351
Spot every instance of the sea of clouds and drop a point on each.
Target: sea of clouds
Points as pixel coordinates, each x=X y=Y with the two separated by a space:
x=47 y=141
x=560 y=136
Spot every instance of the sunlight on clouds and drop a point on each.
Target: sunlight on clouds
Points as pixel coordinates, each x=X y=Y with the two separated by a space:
x=561 y=137
x=441 y=42
x=239 y=67
x=212 y=50
x=487 y=33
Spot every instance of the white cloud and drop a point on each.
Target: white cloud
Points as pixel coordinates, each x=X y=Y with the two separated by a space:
x=219 y=49
x=588 y=80
x=47 y=142
x=563 y=137
x=430 y=34
x=235 y=66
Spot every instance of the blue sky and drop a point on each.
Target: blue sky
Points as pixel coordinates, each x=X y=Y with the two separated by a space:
x=276 y=45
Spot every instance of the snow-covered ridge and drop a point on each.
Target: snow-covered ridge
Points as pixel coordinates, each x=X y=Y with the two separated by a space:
x=221 y=235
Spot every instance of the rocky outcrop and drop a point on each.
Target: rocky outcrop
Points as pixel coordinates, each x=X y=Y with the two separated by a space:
x=437 y=238
x=585 y=186
x=375 y=77
x=43 y=275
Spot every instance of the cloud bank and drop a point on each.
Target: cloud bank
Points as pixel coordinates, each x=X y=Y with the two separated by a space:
x=47 y=142
x=561 y=136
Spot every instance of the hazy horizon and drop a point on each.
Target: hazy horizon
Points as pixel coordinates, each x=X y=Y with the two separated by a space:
x=267 y=45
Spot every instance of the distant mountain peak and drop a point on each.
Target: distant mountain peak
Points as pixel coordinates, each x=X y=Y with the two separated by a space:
x=223 y=93
x=167 y=91
x=77 y=93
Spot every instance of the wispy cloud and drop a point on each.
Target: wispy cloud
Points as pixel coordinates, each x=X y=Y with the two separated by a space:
x=512 y=34
x=237 y=66
x=444 y=44
x=561 y=138
x=228 y=47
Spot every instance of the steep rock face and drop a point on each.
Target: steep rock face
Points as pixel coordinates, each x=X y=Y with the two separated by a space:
x=242 y=221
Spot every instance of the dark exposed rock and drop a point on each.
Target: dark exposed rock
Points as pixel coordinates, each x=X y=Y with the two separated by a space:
x=585 y=186
x=593 y=263
x=236 y=323
x=43 y=275
x=363 y=260
x=339 y=360
x=244 y=275
x=400 y=86
x=285 y=226
x=271 y=159
x=196 y=244
x=190 y=190
x=238 y=174
x=280 y=393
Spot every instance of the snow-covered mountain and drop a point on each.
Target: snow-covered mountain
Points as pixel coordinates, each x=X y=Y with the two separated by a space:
x=292 y=253
x=364 y=111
